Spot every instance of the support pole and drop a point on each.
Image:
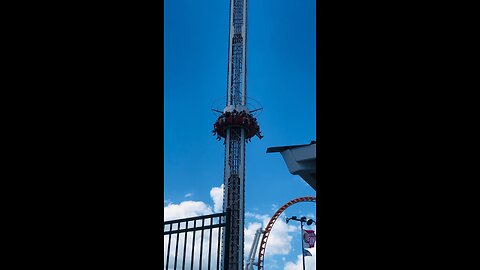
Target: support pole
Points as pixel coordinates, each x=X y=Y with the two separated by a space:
x=301 y=238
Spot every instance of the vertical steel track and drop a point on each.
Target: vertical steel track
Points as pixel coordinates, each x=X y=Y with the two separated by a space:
x=234 y=174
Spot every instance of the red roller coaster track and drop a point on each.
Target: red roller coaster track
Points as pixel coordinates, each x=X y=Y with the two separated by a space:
x=268 y=228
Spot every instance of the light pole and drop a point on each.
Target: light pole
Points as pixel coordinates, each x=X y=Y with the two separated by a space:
x=302 y=220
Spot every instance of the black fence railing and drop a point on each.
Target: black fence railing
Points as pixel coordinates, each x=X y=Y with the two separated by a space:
x=188 y=242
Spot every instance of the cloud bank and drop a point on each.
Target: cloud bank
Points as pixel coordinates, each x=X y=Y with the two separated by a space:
x=279 y=240
x=217 y=196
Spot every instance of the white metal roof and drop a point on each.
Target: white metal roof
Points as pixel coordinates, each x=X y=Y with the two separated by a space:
x=300 y=160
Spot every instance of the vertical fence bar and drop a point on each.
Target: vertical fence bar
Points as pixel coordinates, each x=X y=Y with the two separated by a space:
x=168 y=249
x=193 y=242
x=185 y=246
x=218 y=244
x=210 y=244
x=176 y=247
x=201 y=244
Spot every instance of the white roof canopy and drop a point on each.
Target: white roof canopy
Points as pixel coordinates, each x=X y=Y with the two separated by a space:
x=300 y=160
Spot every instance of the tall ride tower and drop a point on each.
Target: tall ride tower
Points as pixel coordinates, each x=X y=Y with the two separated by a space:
x=235 y=125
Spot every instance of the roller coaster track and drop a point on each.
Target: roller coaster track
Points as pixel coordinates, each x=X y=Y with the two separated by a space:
x=268 y=228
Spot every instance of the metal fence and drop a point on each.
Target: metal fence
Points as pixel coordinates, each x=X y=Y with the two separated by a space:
x=195 y=236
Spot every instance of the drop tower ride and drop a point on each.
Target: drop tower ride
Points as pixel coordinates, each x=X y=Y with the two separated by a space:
x=236 y=124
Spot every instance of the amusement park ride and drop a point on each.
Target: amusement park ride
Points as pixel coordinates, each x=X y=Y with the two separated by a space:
x=265 y=233
x=237 y=124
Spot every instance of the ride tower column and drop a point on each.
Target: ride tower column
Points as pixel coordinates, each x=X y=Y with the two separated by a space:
x=235 y=125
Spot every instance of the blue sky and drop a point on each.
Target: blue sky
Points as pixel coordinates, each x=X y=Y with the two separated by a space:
x=281 y=60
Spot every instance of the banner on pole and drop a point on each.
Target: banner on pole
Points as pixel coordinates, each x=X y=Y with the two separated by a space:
x=309 y=238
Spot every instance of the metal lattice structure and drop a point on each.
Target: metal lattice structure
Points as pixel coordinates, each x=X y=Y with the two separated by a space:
x=236 y=124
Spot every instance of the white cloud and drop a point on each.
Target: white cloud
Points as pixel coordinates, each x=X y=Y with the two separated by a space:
x=279 y=241
x=310 y=261
x=188 y=195
x=186 y=209
x=217 y=196
x=273 y=264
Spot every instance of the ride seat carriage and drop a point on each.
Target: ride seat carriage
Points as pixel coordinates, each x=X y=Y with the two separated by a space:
x=236 y=119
